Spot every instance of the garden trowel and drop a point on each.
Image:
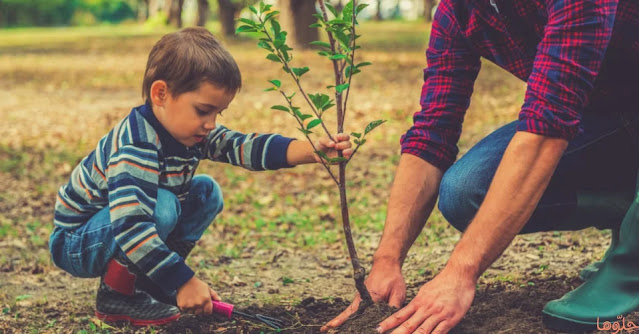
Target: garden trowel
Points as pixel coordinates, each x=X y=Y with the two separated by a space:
x=228 y=310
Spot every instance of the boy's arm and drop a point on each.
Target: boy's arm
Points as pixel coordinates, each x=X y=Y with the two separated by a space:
x=133 y=178
x=252 y=151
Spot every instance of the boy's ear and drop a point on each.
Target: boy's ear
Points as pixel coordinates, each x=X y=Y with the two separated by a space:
x=159 y=92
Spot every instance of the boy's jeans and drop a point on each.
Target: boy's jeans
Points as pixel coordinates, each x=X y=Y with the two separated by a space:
x=85 y=251
x=593 y=184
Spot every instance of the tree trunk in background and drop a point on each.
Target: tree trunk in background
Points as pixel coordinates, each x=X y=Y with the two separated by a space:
x=175 y=13
x=378 y=14
x=339 y=6
x=202 y=13
x=143 y=10
x=226 y=13
x=428 y=9
x=296 y=17
x=154 y=7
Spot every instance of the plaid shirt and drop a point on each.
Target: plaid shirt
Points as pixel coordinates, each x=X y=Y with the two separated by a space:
x=575 y=55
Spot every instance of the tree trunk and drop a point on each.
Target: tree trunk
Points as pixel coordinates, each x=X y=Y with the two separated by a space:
x=143 y=10
x=378 y=13
x=226 y=12
x=202 y=13
x=428 y=9
x=296 y=17
x=175 y=13
x=154 y=7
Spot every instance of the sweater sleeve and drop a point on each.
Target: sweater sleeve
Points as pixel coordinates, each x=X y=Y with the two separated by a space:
x=133 y=178
x=252 y=151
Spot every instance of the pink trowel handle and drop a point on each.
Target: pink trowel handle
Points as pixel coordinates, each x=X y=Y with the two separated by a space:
x=223 y=308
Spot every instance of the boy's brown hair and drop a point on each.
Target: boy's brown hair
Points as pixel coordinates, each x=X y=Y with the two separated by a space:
x=186 y=58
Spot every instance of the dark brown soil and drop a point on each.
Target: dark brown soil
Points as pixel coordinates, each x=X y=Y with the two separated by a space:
x=497 y=308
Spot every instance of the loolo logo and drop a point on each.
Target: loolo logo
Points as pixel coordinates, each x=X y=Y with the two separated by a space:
x=618 y=326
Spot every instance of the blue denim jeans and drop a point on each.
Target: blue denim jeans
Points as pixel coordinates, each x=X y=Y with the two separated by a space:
x=85 y=251
x=593 y=184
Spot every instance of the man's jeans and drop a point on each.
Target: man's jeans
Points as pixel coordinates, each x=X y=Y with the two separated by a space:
x=85 y=251
x=593 y=184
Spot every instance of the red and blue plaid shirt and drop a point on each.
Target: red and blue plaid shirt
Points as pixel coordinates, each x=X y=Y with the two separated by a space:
x=575 y=55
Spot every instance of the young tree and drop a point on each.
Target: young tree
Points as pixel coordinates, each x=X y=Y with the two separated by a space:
x=340 y=51
x=296 y=18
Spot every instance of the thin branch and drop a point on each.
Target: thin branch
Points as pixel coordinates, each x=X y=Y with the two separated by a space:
x=328 y=169
x=353 y=44
x=338 y=75
x=296 y=79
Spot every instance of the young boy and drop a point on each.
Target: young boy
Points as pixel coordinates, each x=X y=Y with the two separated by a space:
x=133 y=209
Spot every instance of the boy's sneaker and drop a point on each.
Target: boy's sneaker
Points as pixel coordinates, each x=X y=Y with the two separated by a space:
x=118 y=300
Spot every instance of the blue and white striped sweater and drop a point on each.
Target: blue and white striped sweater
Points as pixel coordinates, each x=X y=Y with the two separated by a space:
x=131 y=162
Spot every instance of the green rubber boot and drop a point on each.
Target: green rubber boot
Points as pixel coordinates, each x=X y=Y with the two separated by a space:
x=601 y=209
x=612 y=291
x=592 y=268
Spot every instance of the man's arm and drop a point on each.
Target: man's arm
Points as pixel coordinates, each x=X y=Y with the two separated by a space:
x=521 y=179
x=412 y=199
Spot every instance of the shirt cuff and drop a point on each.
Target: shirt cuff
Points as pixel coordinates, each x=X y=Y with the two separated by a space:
x=173 y=277
x=429 y=157
x=276 y=153
x=542 y=126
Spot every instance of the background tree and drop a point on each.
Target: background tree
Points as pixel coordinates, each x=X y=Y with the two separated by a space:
x=296 y=17
x=429 y=5
x=203 y=10
x=378 y=12
x=174 y=8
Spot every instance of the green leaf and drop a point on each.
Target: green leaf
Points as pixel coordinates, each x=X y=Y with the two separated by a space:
x=359 y=142
x=276 y=83
x=290 y=97
x=337 y=56
x=344 y=39
x=361 y=6
x=275 y=27
x=279 y=107
x=347 y=12
x=270 y=89
x=331 y=9
x=304 y=117
x=315 y=25
x=372 y=125
x=364 y=64
x=338 y=159
x=274 y=58
x=337 y=22
x=299 y=71
x=264 y=45
x=297 y=112
x=322 y=44
x=249 y=22
x=253 y=9
x=324 y=53
x=245 y=28
x=257 y=284
x=23 y=297
x=278 y=43
x=270 y=15
x=304 y=131
x=323 y=156
x=313 y=123
x=356 y=134
x=342 y=87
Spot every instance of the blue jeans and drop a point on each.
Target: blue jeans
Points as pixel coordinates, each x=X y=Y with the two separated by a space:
x=593 y=184
x=85 y=251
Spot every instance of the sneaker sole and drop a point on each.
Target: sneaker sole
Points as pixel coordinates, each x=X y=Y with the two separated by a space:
x=565 y=325
x=133 y=321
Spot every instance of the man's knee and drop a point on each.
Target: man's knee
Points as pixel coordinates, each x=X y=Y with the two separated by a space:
x=458 y=197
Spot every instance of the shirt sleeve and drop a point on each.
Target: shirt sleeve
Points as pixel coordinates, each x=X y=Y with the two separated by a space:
x=252 y=151
x=446 y=92
x=133 y=178
x=566 y=65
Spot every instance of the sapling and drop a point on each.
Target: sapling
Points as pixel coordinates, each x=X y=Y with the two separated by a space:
x=340 y=51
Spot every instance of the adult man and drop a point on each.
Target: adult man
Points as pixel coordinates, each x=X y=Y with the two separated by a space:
x=569 y=162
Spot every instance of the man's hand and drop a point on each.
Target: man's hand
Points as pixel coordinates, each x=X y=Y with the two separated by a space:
x=437 y=308
x=195 y=297
x=385 y=283
x=330 y=148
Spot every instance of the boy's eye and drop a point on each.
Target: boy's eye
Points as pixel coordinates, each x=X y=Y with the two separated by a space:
x=201 y=112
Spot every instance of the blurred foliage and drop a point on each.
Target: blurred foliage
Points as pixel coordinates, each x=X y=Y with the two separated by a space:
x=20 y=13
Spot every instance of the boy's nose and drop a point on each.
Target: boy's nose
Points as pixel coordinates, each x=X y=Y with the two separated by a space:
x=209 y=125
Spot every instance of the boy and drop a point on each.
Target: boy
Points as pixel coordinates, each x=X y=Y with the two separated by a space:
x=133 y=210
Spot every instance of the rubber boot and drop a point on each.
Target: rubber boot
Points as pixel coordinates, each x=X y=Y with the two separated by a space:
x=592 y=268
x=183 y=248
x=611 y=292
x=602 y=210
x=118 y=300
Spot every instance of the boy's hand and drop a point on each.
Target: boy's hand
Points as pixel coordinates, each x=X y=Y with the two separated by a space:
x=330 y=148
x=195 y=297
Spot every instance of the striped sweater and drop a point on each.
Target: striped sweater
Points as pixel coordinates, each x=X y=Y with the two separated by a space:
x=131 y=162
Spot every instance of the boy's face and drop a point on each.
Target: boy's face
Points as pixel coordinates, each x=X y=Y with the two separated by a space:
x=191 y=116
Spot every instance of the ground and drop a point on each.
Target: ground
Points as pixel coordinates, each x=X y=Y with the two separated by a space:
x=278 y=246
